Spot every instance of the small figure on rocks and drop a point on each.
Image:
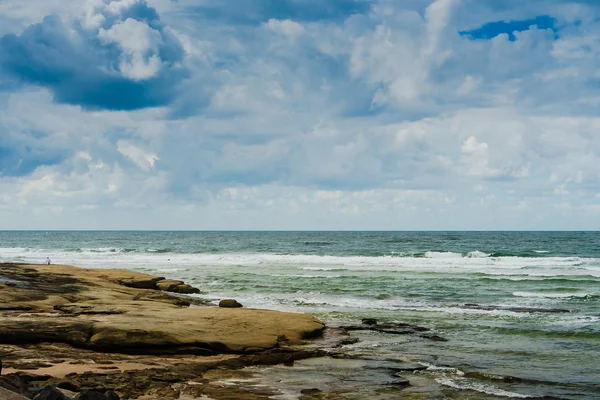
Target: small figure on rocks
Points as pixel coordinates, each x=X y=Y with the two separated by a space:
x=48 y=260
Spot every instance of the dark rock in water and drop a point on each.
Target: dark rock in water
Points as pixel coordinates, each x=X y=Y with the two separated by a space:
x=400 y=381
x=435 y=338
x=396 y=331
x=516 y=309
x=175 y=286
x=369 y=321
x=407 y=367
x=397 y=328
x=50 y=393
x=186 y=289
x=347 y=341
x=310 y=391
x=229 y=303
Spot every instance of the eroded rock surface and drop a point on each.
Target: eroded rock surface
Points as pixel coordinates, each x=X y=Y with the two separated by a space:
x=72 y=332
x=124 y=311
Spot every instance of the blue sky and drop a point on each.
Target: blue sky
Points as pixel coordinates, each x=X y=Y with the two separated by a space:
x=299 y=114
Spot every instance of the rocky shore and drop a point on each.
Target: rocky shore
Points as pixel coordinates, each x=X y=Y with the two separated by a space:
x=69 y=333
x=108 y=334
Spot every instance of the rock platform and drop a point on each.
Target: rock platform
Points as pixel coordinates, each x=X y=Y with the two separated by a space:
x=101 y=329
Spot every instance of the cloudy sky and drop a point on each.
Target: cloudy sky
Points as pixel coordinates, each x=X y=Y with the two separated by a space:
x=300 y=114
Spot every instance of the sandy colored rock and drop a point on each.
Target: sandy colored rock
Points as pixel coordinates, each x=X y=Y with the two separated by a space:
x=174 y=286
x=99 y=309
x=230 y=303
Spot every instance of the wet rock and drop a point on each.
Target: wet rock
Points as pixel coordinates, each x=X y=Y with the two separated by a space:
x=400 y=382
x=311 y=391
x=515 y=309
x=397 y=328
x=347 y=341
x=174 y=286
x=369 y=321
x=186 y=289
x=409 y=367
x=435 y=338
x=50 y=393
x=392 y=327
x=229 y=303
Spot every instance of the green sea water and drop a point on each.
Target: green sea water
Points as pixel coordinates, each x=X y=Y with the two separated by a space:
x=520 y=310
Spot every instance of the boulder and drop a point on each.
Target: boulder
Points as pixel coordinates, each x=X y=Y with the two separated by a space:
x=110 y=395
x=168 y=285
x=93 y=395
x=230 y=303
x=174 y=286
x=186 y=289
x=140 y=282
x=400 y=382
x=50 y=393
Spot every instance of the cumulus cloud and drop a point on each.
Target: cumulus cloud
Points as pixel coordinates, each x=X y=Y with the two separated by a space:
x=119 y=56
x=349 y=114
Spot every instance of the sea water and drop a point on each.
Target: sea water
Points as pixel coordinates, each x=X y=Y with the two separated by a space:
x=520 y=310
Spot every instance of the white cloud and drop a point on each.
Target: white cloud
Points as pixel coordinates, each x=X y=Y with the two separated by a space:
x=387 y=120
x=285 y=27
x=143 y=159
x=139 y=42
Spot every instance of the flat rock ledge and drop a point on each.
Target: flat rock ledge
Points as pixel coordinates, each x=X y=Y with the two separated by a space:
x=127 y=312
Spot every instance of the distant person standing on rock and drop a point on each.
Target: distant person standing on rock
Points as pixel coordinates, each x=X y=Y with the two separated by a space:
x=48 y=260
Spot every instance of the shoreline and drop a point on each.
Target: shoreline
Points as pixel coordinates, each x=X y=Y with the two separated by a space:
x=121 y=332
x=77 y=328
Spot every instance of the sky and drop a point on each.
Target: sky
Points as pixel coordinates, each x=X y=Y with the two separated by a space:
x=300 y=114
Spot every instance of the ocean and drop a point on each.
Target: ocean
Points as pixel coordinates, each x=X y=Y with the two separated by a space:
x=520 y=310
